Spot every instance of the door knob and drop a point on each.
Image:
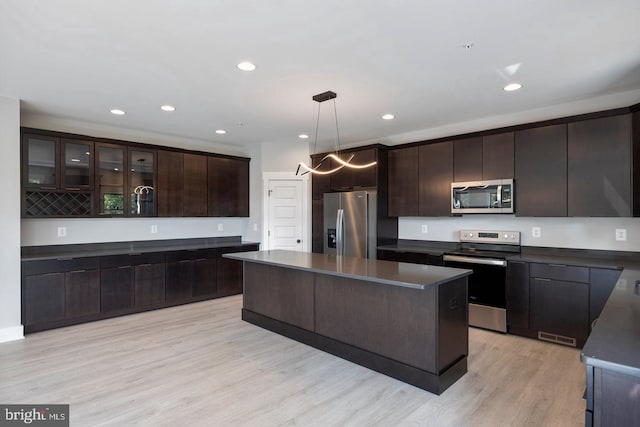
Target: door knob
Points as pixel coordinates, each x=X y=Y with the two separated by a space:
x=298 y=241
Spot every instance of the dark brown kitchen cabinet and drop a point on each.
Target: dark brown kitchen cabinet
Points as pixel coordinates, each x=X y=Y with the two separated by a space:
x=599 y=167
x=541 y=171
x=82 y=293
x=179 y=280
x=435 y=178
x=77 y=165
x=170 y=183
x=317 y=226
x=56 y=292
x=204 y=276
x=116 y=288
x=228 y=187
x=517 y=296
x=41 y=162
x=403 y=182
x=110 y=179
x=43 y=298
x=498 y=156
x=349 y=178
x=320 y=183
x=195 y=185
x=229 y=276
x=149 y=284
x=141 y=182
x=601 y=283
x=559 y=303
x=467 y=159
x=411 y=257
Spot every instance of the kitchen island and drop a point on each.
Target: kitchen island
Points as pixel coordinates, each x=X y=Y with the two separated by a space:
x=407 y=321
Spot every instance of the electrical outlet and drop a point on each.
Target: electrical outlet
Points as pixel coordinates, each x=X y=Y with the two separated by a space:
x=621 y=234
x=535 y=231
x=220 y=227
x=62 y=231
x=255 y=227
x=425 y=228
x=154 y=229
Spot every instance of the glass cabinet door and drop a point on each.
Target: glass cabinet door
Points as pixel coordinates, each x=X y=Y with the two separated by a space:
x=77 y=171
x=110 y=179
x=41 y=155
x=141 y=182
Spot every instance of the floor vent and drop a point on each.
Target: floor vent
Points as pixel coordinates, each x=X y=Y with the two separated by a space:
x=558 y=339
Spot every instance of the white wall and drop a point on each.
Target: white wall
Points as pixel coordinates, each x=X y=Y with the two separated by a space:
x=10 y=322
x=580 y=233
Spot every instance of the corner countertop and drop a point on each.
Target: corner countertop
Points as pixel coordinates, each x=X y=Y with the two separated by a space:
x=41 y=253
x=407 y=275
x=614 y=342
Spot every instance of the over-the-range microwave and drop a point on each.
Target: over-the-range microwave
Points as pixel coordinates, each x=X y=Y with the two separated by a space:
x=494 y=196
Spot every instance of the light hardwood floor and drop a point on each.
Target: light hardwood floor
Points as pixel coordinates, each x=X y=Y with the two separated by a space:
x=200 y=365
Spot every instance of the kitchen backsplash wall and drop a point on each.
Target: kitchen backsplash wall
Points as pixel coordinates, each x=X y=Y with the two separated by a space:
x=37 y=232
x=578 y=233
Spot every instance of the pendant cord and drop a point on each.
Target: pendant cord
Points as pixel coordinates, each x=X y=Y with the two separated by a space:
x=315 y=139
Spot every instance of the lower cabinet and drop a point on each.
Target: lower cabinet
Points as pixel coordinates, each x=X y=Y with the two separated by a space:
x=66 y=291
x=60 y=291
x=411 y=257
x=555 y=302
x=116 y=289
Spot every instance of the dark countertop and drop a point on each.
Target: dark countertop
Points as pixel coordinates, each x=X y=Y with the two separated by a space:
x=39 y=253
x=407 y=275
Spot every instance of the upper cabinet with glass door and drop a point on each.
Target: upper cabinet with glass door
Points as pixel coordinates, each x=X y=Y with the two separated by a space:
x=110 y=179
x=142 y=176
x=40 y=162
x=77 y=165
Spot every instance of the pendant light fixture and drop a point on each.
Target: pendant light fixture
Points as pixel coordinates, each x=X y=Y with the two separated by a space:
x=335 y=156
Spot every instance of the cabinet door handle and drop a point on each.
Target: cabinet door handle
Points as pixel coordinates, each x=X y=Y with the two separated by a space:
x=542 y=279
x=201 y=259
x=136 y=254
x=557 y=265
x=72 y=189
x=144 y=265
x=77 y=271
x=184 y=260
x=124 y=266
x=64 y=259
x=48 y=188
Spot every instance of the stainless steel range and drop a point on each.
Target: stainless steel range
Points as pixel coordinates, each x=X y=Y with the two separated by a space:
x=485 y=252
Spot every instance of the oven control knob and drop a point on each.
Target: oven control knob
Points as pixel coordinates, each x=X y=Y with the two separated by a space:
x=470 y=234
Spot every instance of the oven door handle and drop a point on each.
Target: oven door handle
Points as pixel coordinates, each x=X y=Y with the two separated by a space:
x=473 y=260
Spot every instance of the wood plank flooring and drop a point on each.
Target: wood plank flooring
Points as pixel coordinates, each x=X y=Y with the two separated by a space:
x=200 y=365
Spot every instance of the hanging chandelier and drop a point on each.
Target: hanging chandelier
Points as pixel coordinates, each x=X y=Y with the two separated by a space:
x=332 y=157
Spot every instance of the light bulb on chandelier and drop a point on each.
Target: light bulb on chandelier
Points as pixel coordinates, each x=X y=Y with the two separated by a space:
x=325 y=96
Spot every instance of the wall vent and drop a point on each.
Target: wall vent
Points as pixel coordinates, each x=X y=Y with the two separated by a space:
x=558 y=339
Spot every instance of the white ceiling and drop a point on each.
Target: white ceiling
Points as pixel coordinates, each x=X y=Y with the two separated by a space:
x=77 y=59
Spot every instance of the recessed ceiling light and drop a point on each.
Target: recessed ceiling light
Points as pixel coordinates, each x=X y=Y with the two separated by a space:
x=221 y=131
x=168 y=108
x=512 y=86
x=303 y=136
x=117 y=112
x=246 y=66
x=388 y=117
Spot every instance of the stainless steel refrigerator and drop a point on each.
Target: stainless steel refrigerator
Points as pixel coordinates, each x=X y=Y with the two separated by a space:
x=350 y=224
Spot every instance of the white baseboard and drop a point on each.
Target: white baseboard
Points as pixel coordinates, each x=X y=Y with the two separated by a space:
x=11 y=333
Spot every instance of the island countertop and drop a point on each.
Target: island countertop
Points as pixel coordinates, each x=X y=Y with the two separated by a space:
x=388 y=272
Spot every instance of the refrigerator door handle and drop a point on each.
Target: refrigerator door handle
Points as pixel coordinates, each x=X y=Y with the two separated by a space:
x=340 y=232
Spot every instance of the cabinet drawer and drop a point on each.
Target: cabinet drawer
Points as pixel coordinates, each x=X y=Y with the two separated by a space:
x=59 y=265
x=132 y=259
x=560 y=272
x=177 y=256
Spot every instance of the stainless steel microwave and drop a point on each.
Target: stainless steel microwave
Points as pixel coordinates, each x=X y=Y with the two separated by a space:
x=494 y=196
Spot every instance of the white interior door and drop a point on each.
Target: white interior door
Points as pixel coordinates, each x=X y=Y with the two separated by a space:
x=285 y=210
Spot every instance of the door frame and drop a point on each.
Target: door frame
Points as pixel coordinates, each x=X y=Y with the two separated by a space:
x=306 y=202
